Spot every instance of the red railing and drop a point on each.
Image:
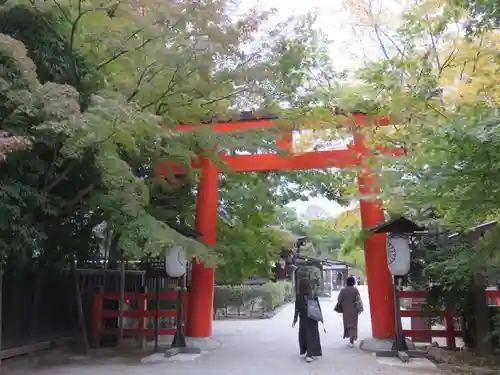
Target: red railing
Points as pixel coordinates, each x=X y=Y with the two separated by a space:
x=449 y=331
x=493 y=297
x=141 y=314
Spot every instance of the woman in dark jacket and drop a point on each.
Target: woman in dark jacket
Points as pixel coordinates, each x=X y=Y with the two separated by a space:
x=309 y=341
x=350 y=300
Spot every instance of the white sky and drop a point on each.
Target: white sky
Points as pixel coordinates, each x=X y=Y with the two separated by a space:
x=332 y=20
x=332 y=207
x=350 y=45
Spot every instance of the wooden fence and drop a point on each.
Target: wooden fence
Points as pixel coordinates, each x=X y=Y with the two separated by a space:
x=39 y=306
x=450 y=332
x=140 y=307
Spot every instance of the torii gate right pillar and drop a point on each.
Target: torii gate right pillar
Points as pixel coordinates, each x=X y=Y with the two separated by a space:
x=380 y=287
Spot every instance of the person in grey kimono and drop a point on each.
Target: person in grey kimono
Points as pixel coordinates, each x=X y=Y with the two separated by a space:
x=309 y=341
x=350 y=301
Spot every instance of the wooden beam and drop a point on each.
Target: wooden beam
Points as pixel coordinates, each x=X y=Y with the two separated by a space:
x=273 y=162
x=307 y=160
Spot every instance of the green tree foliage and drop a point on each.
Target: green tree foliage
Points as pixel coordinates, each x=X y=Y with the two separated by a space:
x=10 y=143
x=87 y=84
x=484 y=14
x=326 y=242
x=441 y=87
x=352 y=249
x=323 y=241
x=457 y=270
x=336 y=239
x=255 y=202
x=445 y=100
x=289 y=220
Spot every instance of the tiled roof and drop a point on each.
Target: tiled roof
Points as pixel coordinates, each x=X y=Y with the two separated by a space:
x=242 y=116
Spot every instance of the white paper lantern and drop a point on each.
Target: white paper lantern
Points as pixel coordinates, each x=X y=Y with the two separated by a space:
x=175 y=262
x=398 y=255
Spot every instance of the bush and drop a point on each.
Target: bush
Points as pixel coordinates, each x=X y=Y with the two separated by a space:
x=263 y=298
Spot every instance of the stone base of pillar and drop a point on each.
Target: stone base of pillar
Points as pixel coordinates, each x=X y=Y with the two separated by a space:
x=204 y=343
x=373 y=345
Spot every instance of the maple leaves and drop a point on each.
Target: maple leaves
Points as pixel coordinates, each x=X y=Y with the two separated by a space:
x=94 y=82
x=11 y=143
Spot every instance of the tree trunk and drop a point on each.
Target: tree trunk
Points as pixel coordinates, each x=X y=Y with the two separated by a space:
x=114 y=253
x=1 y=308
x=482 y=328
x=79 y=307
x=35 y=313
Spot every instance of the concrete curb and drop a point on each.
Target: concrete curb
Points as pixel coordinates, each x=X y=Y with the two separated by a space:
x=267 y=315
x=277 y=310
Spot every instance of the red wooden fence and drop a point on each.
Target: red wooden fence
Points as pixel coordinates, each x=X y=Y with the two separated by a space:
x=449 y=331
x=141 y=313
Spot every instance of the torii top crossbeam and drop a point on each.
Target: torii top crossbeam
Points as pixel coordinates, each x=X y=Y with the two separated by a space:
x=353 y=155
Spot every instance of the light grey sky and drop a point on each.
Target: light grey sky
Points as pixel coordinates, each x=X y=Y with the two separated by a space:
x=332 y=207
x=332 y=20
x=351 y=44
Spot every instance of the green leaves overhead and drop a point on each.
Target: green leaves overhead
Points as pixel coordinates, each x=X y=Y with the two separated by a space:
x=441 y=90
x=88 y=85
x=484 y=14
x=438 y=80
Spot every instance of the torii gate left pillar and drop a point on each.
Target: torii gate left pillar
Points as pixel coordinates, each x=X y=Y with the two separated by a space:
x=201 y=292
x=200 y=310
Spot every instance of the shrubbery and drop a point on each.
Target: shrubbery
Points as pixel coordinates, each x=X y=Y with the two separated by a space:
x=252 y=298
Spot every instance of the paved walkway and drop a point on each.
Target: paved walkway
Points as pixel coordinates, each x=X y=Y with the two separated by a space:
x=263 y=347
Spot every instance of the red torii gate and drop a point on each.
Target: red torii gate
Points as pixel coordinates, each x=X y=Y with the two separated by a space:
x=199 y=320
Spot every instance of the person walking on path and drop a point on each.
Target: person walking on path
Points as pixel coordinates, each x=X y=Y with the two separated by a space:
x=305 y=302
x=350 y=305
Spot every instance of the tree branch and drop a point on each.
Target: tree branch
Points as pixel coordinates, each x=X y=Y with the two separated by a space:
x=448 y=60
x=139 y=81
x=62 y=176
x=400 y=51
x=78 y=197
x=434 y=48
x=55 y=151
x=119 y=54
x=165 y=93
x=476 y=59
x=240 y=91
x=74 y=26
x=170 y=85
x=69 y=205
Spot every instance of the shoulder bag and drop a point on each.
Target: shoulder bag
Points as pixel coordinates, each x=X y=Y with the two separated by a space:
x=338 y=308
x=359 y=303
x=314 y=311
